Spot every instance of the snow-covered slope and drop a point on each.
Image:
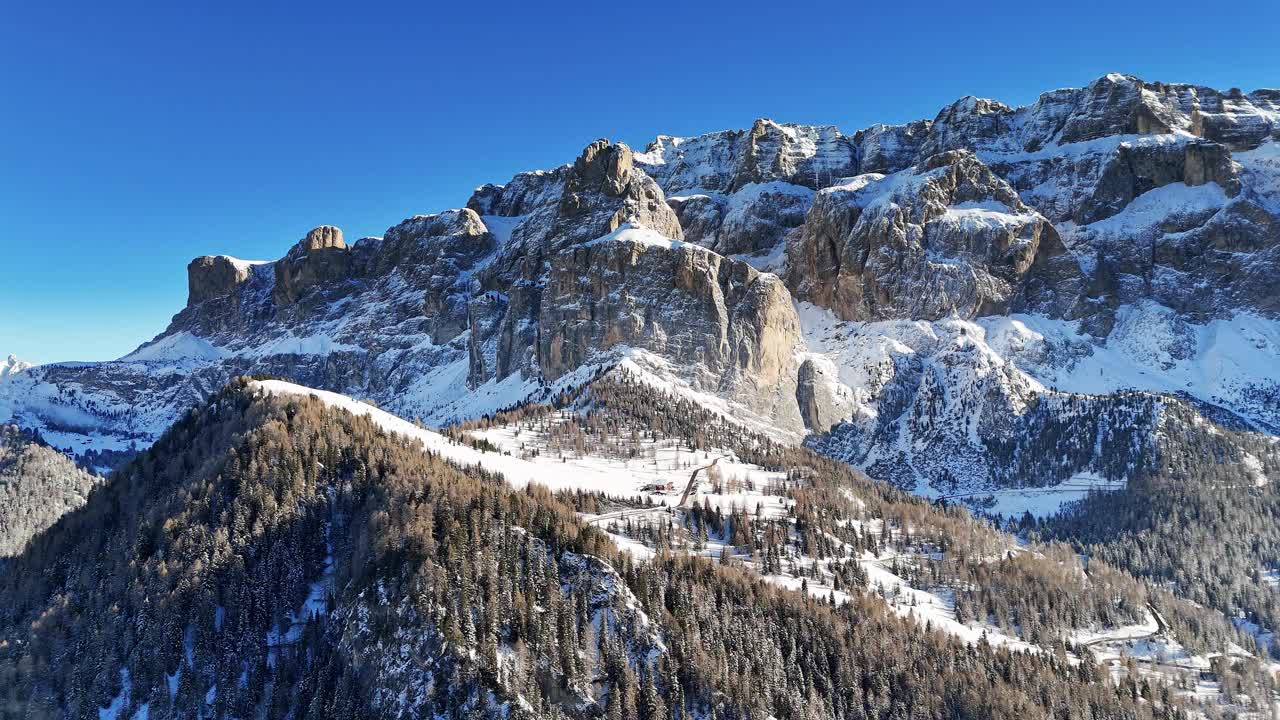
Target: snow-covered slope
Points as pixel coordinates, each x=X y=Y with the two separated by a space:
x=1023 y=413
x=653 y=492
x=617 y=477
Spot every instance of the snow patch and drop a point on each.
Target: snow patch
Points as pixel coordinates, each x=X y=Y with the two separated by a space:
x=639 y=235
x=1154 y=207
x=181 y=347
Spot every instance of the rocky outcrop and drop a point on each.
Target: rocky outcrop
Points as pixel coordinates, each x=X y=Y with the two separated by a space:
x=741 y=192
x=435 y=254
x=576 y=203
x=320 y=257
x=523 y=194
x=1076 y=156
x=724 y=162
x=214 y=276
x=945 y=237
x=1137 y=169
x=730 y=328
x=1122 y=104
x=601 y=177
x=889 y=148
x=1117 y=105
x=1190 y=248
x=1234 y=118
x=754 y=219
x=700 y=216
x=602 y=167
x=1113 y=105
x=816 y=398
x=1232 y=260
x=599 y=193
x=968 y=123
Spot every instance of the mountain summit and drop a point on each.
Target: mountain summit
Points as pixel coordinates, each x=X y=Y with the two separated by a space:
x=1113 y=237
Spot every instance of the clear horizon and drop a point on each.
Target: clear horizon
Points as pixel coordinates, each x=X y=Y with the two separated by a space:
x=137 y=138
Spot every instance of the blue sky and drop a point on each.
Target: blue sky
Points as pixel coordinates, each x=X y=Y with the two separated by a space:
x=136 y=136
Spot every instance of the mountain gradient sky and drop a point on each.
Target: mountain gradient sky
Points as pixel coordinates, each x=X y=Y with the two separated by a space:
x=135 y=136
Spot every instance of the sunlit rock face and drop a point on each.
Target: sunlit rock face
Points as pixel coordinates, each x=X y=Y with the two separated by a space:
x=923 y=283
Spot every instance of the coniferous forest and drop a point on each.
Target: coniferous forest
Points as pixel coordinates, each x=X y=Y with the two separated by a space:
x=275 y=558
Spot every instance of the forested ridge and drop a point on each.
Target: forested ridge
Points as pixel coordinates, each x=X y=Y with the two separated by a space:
x=1041 y=592
x=177 y=587
x=37 y=486
x=1202 y=518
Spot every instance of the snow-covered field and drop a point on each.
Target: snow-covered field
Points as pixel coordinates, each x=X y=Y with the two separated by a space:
x=1039 y=502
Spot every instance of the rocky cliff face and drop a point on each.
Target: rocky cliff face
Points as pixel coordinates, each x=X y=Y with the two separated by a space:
x=944 y=237
x=1077 y=157
x=214 y=276
x=732 y=329
x=319 y=258
x=726 y=162
x=915 y=285
x=545 y=214
x=741 y=191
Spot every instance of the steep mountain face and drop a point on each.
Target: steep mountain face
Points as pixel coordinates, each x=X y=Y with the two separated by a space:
x=945 y=237
x=454 y=314
x=732 y=325
x=38 y=485
x=1116 y=237
x=740 y=192
x=946 y=289
x=1077 y=157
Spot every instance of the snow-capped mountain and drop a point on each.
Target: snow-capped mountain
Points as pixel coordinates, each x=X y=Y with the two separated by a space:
x=933 y=302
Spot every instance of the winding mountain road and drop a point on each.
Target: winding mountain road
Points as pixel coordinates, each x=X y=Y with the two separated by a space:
x=693 y=479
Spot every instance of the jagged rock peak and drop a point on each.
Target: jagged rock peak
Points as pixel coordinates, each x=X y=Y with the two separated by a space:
x=523 y=194
x=462 y=221
x=1118 y=104
x=604 y=180
x=726 y=161
x=318 y=258
x=214 y=276
x=819 y=156
x=324 y=236
x=604 y=165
